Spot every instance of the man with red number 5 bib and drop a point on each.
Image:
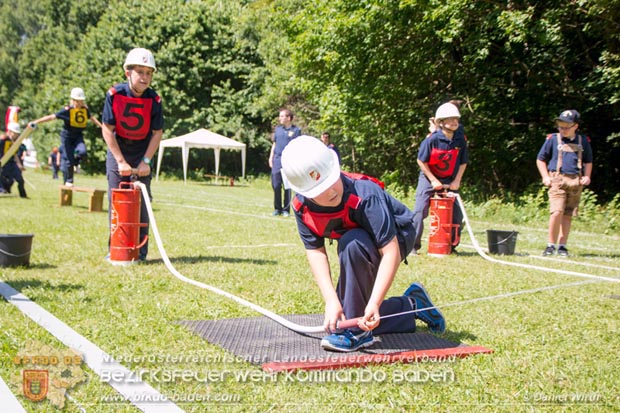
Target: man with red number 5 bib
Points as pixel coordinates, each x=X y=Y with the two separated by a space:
x=133 y=124
x=442 y=158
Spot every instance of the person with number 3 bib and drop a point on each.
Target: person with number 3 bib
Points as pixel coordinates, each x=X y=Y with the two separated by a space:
x=133 y=125
x=442 y=159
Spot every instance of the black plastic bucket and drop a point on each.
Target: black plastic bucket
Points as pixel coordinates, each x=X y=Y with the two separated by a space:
x=502 y=242
x=15 y=249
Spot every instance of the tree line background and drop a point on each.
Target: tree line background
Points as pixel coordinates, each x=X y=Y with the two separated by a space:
x=369 y=71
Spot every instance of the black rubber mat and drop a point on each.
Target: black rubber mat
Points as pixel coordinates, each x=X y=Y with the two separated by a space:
x=260 y=340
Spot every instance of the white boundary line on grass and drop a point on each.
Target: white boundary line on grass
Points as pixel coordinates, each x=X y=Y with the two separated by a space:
x=10 y=404
x=138 y=393
x=562 y=260
x=223 y=211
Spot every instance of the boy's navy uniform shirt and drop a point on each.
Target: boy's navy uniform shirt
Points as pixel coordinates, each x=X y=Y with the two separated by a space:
x=378 y=213
x=75 y=120
x=134 y=118
x=549 y=154
x=444 y=155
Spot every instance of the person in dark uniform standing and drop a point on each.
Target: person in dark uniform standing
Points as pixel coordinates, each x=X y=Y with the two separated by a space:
x=442 y=158
x=326 y=139
x=12 y=170
x=565 y=165
x=75 y=118
x=284 y=133
x=133 y=125
x=374 y=233
x=53 y=160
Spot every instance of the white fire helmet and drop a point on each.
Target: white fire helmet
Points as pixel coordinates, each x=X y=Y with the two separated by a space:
x=140 y=57
x=77 y=94
x=447 y=110
x=14 y=127
x=309 y=167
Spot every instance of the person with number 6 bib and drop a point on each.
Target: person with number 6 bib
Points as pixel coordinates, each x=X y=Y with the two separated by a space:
x=443 y=157
x=75 y=117
x=133 y=125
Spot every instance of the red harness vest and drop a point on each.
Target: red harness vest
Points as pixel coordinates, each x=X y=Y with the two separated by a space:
x=357 y=175
x=333 y=224
x=329 y=224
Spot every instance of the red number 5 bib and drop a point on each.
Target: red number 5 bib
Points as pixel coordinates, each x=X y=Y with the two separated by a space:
x=133 y=116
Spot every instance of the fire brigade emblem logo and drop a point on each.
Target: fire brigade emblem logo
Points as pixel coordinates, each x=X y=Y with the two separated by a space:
x=35 y=384
x=315 y=175
x=47 y=373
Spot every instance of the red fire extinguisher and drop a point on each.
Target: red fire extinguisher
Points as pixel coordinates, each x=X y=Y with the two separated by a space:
x=442 y=231
x=125 y=224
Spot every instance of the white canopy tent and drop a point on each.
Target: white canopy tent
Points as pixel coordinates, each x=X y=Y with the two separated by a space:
x=201 y=138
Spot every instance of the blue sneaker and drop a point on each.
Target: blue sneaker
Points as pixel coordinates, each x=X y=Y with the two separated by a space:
x=347 y=341
x=432 y=317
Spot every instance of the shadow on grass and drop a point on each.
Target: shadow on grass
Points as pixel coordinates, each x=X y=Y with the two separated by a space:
x=200 y=258
x=456 y=253
x=460 y=253
x=40 y=266
x=21 y=285
x=459 y=336
x=590 y=255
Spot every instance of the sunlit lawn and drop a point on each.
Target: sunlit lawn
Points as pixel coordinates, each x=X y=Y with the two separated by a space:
x=554 y=350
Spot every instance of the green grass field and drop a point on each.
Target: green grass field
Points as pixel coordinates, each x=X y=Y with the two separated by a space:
x=554 y=350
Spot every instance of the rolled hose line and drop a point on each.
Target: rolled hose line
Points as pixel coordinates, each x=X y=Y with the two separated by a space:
x=354 y=321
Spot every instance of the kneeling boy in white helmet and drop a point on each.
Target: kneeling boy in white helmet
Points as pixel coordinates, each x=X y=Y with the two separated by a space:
x=374 y=232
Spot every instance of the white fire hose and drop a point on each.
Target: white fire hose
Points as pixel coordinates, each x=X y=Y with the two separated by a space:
x=353 y=322
x=516 y=264
x=275 y=317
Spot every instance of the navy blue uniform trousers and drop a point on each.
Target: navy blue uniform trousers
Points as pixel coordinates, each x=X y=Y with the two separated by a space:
x=359 y=262
x=74 y=152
